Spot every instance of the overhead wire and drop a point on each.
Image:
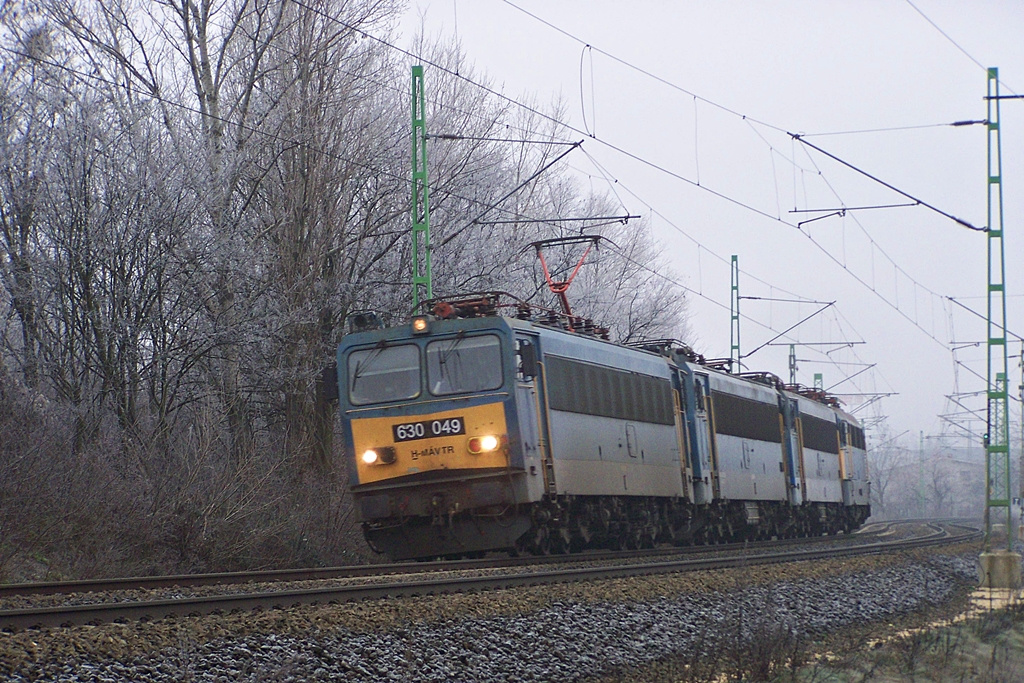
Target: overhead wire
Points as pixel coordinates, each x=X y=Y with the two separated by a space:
x=493 y=205
x=615 y=147
x=741 y=115
x=641 y=70
x=583 y=105
x=691 y=290
x=612 y=182
x=99 y=80
x=275 y=136
x=699 y=292
x=954 y=43
x=555 y=120
x=700 y=246
x=875 y=246
x=838 y=313
x=750 y=120
x=888 y=129
x=625 y=152
x=615 y=182
x=883 y=183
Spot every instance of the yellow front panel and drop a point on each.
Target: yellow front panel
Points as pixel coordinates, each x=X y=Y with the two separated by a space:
x=431 y=452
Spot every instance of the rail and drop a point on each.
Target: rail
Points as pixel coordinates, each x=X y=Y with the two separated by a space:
x=68 y=615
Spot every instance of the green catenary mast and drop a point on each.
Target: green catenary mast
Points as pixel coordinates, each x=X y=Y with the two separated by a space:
x=997 y=440
x=420 y=195
x=734 y=315
x=792 y=364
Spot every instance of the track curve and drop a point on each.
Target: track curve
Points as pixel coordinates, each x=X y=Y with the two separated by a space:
x=67 y=615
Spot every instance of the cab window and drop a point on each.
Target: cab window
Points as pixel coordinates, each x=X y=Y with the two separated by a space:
x=384 y=373
x=464 y=364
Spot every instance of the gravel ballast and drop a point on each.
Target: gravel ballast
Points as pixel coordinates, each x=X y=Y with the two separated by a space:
x=565 y=632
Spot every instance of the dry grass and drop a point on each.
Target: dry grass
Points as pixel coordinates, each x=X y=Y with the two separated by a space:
x=121 y=507
x=985 y=646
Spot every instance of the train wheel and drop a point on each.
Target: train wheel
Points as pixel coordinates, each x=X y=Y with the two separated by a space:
x=542 y=543
x=559 y=543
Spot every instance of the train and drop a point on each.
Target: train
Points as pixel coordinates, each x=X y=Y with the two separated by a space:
x=487 y=425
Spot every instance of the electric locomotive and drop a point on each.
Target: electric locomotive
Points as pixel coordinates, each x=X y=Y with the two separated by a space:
x=470 y=431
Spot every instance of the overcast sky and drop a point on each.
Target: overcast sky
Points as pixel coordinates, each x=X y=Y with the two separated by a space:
x=737 y=77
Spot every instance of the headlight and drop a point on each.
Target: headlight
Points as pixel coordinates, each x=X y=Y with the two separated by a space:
x=420 y=325
x=484 y=444
x=379 y=456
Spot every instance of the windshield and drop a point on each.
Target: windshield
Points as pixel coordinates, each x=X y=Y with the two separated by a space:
x=385 y=373
x=464 y=364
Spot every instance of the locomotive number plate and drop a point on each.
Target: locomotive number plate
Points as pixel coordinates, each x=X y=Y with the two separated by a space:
x=429 y=429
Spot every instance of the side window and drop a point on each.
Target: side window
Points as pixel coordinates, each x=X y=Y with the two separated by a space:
x=747 y=418
x=820 y=434
x=526 y=359
x=589 y=389
x=605 y=394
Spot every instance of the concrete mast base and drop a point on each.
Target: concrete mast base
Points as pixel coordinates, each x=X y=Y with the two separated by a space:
x=999 y=569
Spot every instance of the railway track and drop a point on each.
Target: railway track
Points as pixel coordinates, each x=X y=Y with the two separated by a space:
x=400 y=568
x=684 y=560
x=383 y=569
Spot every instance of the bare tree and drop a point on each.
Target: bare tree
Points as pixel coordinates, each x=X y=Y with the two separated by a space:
x=222 y=73
x=27 y=119
x=327 y=204
x=883 y=464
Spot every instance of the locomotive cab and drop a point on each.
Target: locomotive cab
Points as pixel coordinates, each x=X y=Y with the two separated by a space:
x=435 y=462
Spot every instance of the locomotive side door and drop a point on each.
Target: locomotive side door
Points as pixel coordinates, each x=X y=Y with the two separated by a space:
x=688 y=457
x=705 y=439
x=845 y=460
x=791 y=440
x=528 y=408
